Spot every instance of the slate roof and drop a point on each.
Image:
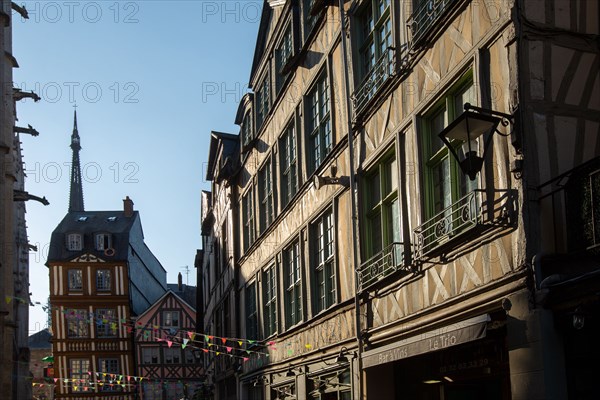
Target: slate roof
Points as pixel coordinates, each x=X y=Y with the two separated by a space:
x=40 y=340
x=187 y=293
x=96 y=222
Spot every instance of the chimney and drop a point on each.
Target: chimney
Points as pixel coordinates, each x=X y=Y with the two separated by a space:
x=180 y=282
x=128 y=207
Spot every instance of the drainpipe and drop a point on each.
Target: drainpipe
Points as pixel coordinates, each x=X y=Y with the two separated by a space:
x=354 y=217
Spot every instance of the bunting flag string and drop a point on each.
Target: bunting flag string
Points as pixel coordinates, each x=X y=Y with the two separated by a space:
x=226 y=345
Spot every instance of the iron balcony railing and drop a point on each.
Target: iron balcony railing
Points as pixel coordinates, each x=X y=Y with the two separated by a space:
x=372 y=82
x=453 y=220
x=425 y=16
x=384 y=263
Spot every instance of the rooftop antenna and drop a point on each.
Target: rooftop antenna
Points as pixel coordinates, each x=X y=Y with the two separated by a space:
x=186 y=268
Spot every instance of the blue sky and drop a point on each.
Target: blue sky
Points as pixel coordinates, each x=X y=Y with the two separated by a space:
x=151 y=79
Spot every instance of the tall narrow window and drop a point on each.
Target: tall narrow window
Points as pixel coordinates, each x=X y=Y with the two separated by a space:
x=74 y=241
x=382 y=219
x=251 y=312
x=451 y=202
x=263 y=102
x=75 y=277
x=319 y=122
x=225 y=246
x=247 y=129
x=172 y=355
x=270 y=300
x=289 y=168
x=265 y=188
x=248 y=216
x=103 y=280
x=375 y=49
x=80 y=379
x=322 y=250
x=293 y=285
x=106 y=322
x=309 y=20
x=283 y=54
x=78 y=325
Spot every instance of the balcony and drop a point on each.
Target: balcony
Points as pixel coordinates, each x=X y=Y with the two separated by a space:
x=373 y=81
x=426 y=15
x=384 y=263
x=443 y=228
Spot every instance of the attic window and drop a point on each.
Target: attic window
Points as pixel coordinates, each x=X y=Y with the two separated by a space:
x=111 y=219
x=82 y=219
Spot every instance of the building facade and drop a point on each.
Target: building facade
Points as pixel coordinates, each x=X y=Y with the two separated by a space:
x=14 y=245
x=102 y=275
x=41 y=365
x=172 y=370
x=415 y=201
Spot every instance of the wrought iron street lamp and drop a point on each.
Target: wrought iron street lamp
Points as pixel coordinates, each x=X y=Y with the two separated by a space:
x=463 y=134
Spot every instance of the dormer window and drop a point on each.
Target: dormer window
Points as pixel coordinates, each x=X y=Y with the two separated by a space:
x=103 y=241
x=74 y=242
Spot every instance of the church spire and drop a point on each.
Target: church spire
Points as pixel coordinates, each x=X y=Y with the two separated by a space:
x=76 y=196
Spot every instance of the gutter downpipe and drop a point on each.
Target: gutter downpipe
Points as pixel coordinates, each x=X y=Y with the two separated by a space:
x=352 y=197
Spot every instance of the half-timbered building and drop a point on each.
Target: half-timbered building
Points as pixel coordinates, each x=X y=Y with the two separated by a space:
x=102 y=275
x=461 y=261
x=166 y=354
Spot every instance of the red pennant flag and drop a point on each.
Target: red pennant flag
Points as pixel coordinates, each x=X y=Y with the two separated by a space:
x=224 y=340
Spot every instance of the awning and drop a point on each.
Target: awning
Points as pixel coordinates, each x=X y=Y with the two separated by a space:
x=438 y=339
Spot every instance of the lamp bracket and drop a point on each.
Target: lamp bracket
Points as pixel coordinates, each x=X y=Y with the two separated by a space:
x=506 y=118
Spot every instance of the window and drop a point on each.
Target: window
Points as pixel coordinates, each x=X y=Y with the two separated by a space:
x=152 y=390
x=270 y=300
x=103 y=241
x=283 y=54
x=77 y=324
x=289 y=168
x=170 y=319
x=375 y=49
x=309 y=20
x=323 y=262
x=106 y=322
x=334 y=386
x=109 y=366
x=247 y=133
x=450 y=197
x=74 y=242
x=293 y=285
x=265 y=190
x=251 y=312
x=426 y=14
x=103 y=280
x=150 y=355
x=225 y=247
x=79 y=375
x=263 y=102
x=319 y=122
x=248 y=215
x=189 y=357
x=172 y=355
x=75 y=277
x=446 y=183
x=382 y=218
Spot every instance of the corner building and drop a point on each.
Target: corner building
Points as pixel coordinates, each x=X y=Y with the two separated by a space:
x=374 y=259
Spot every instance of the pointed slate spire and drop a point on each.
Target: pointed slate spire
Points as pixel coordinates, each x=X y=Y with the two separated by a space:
x=76 y=196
